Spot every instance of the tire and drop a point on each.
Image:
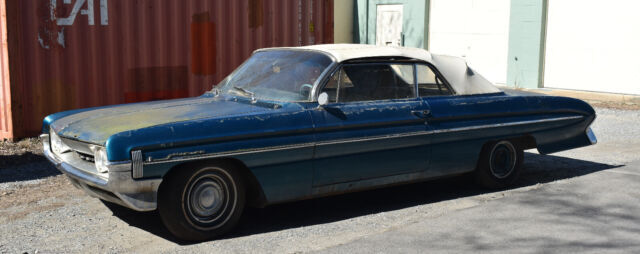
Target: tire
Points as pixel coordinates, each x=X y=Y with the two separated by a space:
x=201 y=201
x=499 y=165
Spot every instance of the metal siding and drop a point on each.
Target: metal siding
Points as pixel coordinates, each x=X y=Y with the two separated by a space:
x=147 y=50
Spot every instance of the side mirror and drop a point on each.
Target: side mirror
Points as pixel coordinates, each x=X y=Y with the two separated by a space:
x=323 y=99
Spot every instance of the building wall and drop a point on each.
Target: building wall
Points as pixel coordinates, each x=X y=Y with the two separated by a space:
x=593 y=45
x=343 y=21
x=477 y=30
x=537 y=43
x=526 y=43
x=415 y=21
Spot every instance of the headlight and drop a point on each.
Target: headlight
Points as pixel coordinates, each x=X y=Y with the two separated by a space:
x=57 y=146
x=100 y=157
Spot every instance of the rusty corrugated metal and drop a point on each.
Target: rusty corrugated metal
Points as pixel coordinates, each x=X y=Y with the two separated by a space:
x=84 y=53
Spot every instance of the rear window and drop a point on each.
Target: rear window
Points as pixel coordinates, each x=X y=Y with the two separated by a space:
x=429 y=83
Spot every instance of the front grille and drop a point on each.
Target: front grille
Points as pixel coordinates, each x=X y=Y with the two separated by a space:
x=85 y=157
x=78 y=155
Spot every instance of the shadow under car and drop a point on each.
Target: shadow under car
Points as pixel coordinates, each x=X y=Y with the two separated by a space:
x=536 y=169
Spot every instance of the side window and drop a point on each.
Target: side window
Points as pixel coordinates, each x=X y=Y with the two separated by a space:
x=368 y=82
x=430 y=84
x=332 y=86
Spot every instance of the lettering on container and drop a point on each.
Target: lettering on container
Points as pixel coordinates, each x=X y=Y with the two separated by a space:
x=77 y=8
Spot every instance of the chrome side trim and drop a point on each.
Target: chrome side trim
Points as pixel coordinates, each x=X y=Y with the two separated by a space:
x=507 y=124
x=235 y=152
x=351 y=140
x=136 y=164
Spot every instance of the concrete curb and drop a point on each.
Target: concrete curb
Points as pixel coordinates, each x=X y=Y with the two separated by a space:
x=585 y=95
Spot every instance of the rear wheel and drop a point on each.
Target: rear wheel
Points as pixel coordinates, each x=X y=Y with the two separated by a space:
x=499 y=165
x=202 y=201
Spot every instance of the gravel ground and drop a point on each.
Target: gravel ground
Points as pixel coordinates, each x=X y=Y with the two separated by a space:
x=40 y=211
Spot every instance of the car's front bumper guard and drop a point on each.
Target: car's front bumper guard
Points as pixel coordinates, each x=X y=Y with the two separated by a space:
x=119 y=187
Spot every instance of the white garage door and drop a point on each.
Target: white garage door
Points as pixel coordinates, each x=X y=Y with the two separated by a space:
x=477 y=30
x=593 y=45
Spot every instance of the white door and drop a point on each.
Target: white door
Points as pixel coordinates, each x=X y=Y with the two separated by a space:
x=593 y=45
x=389 y=25
x=477 y=30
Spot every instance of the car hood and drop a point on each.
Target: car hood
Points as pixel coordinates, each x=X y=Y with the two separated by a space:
x=96 y=126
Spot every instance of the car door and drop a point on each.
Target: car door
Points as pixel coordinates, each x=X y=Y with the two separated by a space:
x=455 y=147
x=373 y=125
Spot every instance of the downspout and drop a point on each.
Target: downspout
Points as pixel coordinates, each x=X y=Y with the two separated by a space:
x=366 y=23
x=543 y=42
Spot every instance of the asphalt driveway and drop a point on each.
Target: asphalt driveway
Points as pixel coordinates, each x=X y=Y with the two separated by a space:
x=585 y=200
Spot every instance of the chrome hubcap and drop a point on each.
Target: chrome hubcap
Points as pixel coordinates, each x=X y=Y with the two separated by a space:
x=503 y=159
x=210 y=198
x=207 y=197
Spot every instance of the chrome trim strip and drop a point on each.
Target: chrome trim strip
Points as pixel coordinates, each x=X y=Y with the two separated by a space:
x=115 y=163
x=315 y=90
x=136 y=165
x=351 y=140
x=507 y=124
x=236 y=152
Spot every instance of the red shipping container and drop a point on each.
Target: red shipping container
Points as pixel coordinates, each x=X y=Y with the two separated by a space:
x=64 y=54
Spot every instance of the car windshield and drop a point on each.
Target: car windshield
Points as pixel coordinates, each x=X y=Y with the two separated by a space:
x=279 y=75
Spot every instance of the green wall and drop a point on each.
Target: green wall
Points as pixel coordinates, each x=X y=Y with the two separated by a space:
x=527 y=27
x=414 y=25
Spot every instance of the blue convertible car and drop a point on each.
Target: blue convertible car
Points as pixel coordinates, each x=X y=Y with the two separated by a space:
x=303 y=122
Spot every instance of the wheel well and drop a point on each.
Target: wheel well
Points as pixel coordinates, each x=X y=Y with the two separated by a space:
x=255 y=195
x=524 y=142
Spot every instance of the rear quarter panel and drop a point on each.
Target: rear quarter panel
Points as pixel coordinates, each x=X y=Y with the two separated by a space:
x=463 y=124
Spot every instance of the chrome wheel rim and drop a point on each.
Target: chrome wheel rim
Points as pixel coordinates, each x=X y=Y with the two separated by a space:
x=210 y=198
x=502 y=160
x=206 y=197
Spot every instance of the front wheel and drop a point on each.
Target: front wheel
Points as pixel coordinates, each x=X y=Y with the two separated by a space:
x=201 y=201
x=499 y=165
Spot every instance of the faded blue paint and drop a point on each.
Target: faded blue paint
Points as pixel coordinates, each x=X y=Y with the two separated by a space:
x=351 y=161
x=318 y=165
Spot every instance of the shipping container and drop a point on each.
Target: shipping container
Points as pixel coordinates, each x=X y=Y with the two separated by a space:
x=66 y=54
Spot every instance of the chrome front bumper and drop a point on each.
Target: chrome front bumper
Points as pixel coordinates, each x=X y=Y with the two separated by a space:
x=116 y=186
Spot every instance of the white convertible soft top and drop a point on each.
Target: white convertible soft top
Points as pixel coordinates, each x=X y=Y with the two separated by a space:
x=463 y=79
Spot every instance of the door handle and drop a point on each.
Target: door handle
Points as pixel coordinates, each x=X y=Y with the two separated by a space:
x=422 y=113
